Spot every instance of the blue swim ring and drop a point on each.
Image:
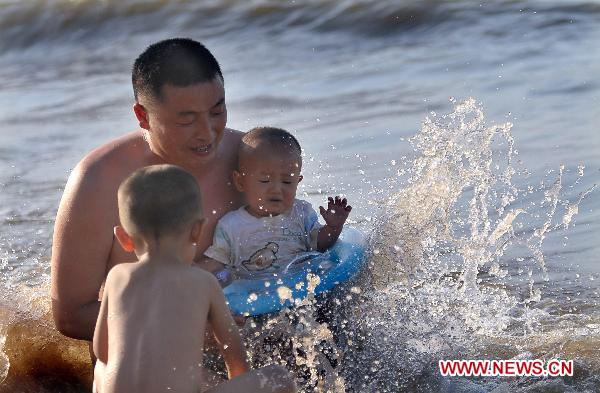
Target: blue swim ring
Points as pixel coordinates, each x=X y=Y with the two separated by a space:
x=273 y=292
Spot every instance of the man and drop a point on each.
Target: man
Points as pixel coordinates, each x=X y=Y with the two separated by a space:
x=180 y=105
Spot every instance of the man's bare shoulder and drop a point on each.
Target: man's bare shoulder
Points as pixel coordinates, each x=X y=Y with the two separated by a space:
x=235 y=133
x=232 y=138
x=98 y=175
x=121 y=155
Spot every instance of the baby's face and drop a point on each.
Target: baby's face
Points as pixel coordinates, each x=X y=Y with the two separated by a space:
x=269 y=183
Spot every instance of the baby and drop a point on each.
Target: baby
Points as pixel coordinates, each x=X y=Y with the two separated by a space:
x=149 y=334
x=274 y=229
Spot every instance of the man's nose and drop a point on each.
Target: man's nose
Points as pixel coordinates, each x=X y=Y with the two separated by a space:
x=204 y=129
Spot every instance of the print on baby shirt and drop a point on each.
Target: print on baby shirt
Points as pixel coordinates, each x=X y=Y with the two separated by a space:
x=263 y=258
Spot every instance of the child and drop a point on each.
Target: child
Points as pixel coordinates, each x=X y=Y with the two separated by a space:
x=274 y=230
x=149 y=335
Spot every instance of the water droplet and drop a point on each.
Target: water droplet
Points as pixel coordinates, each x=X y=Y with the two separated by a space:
x=284 y=293
x=252 y=298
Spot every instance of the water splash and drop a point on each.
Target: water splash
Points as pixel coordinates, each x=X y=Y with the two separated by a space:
x=299 y=339
x=34 y=357
x=440 y=261
x=442 y=281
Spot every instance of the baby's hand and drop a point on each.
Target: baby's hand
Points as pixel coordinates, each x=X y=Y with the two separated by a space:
x=337 y=212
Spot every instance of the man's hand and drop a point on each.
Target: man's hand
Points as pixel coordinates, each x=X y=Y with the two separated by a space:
x=337 y=212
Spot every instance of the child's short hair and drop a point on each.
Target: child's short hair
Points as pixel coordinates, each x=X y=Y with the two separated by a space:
x=276 y=139
x=158 y=199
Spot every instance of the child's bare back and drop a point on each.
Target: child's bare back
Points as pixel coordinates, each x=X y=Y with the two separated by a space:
x=149 y=335
x=157 y=312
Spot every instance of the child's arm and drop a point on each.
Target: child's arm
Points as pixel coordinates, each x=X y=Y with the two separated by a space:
x=335 y=216
x=218 y=255
x=209 y=264
x=226 y=332
x=218 y=269
x=100 y=343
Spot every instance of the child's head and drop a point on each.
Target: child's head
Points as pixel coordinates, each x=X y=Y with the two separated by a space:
x=159 y=200
x=269 y=164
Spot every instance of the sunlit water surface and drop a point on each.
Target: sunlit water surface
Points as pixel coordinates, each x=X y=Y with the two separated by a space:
x=482 y=213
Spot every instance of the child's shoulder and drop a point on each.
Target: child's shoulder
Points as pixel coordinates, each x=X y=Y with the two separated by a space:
x=302 y=204
x=198 y=273
x=120 y=270
x=233 y=217
x=203 y=278
x=301 y=207
x=120 y=276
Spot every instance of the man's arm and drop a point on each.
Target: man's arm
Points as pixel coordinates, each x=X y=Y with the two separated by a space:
x=226 y=332
x=81 y=248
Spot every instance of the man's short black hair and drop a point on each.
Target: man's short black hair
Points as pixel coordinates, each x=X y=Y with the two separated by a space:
x=179 y=62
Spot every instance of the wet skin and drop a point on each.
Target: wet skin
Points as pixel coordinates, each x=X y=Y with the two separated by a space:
x=186 y=128
x=269 y=182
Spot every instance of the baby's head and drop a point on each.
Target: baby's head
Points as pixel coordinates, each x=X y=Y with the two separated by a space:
x=159 y=201
x=269 y=164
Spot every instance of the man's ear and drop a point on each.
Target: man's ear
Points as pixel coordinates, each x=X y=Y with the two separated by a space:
x=197 y=230
x=142 y=115
x=237 y=181
x=124 y=239
x=300 y=177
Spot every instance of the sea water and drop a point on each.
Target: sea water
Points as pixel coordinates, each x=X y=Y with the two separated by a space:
x=465 y=136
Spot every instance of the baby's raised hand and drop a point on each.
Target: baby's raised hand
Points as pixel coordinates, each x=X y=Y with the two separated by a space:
x=337 y=212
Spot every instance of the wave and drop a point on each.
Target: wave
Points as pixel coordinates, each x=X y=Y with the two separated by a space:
x=25 y=24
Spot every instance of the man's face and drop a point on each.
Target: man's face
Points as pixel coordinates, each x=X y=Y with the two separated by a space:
x=186 y=126
x=269 y=183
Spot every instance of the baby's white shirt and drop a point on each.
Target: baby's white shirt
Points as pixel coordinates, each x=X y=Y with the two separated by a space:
x=254 y=246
